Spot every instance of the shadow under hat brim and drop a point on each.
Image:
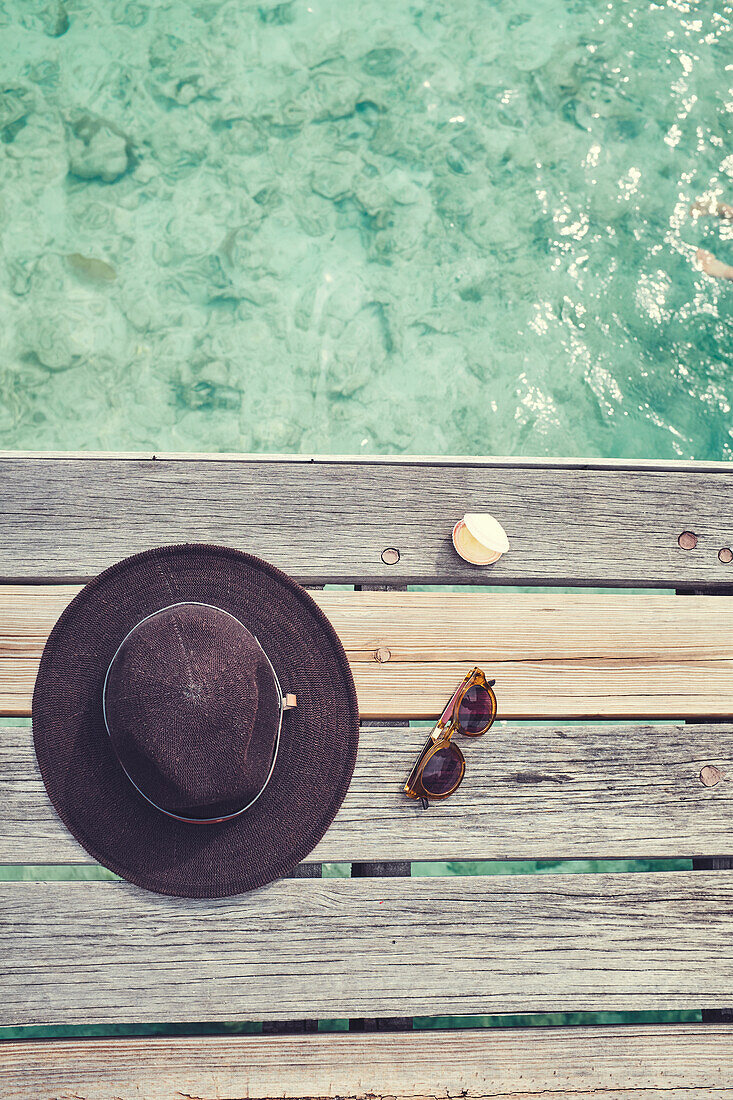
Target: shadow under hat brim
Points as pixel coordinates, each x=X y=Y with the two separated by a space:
x=318 y=745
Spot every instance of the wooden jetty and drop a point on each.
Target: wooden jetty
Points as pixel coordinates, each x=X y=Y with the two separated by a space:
x=614 y=742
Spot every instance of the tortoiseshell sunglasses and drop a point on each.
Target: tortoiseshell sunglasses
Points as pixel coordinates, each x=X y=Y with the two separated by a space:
x=440 y=767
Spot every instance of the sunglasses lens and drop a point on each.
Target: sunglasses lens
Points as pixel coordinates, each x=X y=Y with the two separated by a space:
x=476 y=710
x=443 y=771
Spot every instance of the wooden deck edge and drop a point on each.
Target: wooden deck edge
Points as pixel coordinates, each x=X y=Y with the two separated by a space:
x=389 y=459
x=618 y=1063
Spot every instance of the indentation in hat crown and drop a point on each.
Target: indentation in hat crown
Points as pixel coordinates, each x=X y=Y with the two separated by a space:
x=192 y=710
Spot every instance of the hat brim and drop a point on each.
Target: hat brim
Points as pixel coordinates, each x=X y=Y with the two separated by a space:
x=319 y=740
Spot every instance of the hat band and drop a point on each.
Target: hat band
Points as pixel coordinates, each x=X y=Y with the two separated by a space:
x=281 y=704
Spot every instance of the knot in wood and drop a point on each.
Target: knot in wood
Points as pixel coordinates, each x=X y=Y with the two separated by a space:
x=382 y=654
x=390 y=555
x=687 y=540
x=725 y=554
x=710 y=775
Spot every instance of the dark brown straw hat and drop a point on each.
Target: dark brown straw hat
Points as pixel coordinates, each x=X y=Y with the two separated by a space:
x=162 y=729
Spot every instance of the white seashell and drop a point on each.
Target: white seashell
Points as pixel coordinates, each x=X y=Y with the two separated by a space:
x=480 y=539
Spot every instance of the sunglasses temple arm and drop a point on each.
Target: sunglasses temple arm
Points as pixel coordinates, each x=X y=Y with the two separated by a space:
x=449 y=707
x=416 y=766
x=412 y=777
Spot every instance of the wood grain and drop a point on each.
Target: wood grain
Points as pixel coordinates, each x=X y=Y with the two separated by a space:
x=553 y=655
x=547 y=792
x=67 y=518
x=668 y=1062
x=100 y=952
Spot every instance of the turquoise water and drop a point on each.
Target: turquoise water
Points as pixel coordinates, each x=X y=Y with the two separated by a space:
x=320 y=226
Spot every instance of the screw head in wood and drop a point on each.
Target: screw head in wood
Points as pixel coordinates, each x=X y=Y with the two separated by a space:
x=390 y=556
x=710 y=775
x=725 y=554
x=382 y=654
x=687 y=540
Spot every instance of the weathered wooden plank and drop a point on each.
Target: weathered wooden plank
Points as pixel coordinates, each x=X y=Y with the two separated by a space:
x=547 y=792
x=102 y=952
x=69 y=517
x=670 y=1062
x=553 y=655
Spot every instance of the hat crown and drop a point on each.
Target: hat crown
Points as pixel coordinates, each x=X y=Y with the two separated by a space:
x=192 y=708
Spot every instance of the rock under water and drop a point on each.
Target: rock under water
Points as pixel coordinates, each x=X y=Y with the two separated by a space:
x=97 y=271
x=97 y=149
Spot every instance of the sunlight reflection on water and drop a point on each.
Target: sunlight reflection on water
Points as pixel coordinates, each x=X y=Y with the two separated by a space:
x=458 y=228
